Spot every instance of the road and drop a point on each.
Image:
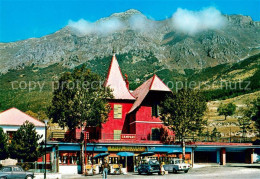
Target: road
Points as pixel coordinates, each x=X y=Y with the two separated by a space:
x=223 y=172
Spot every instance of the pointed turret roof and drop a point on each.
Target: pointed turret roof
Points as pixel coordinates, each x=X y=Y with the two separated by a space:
x=116 y=82
x=153 y=84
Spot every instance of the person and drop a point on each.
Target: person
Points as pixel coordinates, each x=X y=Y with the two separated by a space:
x=105 y=167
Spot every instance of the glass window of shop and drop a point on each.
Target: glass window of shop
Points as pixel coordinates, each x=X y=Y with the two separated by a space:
x=68 y=158
x=113 y=160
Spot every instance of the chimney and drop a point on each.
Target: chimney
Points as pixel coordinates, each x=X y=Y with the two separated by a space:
x=126 y=81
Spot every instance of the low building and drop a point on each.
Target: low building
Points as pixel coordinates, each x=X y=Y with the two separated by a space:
x=12 y=119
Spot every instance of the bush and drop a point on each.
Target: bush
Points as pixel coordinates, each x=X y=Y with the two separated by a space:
x=26 y=166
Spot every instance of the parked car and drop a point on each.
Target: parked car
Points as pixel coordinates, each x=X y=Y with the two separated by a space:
x=149 y=166
x=177 y=165
x=15 y=172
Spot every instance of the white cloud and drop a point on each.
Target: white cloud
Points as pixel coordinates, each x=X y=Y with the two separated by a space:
x=139 y=22
x=186 y=21
x=83 y=27
x=109 y=26
x=192 y=22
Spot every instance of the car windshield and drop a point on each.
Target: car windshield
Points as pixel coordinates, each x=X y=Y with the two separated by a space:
x=178 y=161
x=153 y=162
x=144 y=162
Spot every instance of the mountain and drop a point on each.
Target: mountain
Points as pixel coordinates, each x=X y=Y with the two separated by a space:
x=229 y=54
x=137 y=38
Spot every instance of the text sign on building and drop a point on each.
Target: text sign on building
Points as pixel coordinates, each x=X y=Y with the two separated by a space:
x=126 y=148
x=117 y=111
x=127 y=136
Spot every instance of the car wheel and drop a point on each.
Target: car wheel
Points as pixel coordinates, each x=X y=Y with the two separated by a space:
x=2 y=177
x=29 y=177
x=186 y=171
x=174 y=170
x=139 y=172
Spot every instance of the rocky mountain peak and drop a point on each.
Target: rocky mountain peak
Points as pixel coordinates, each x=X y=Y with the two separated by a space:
x=139 y=38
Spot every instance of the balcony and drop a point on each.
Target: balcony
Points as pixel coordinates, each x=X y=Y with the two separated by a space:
x=107 y=138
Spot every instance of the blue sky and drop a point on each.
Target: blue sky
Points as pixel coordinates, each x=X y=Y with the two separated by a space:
x=22 y=19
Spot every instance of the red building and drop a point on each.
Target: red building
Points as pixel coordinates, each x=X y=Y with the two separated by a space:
x=135 y=114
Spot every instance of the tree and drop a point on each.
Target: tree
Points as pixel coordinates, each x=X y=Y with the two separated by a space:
x=256 y=113
x=226 y=109
x=245 y=118
x=3 y=145
x=40 y=115
x=80 y=98
x=215 y=134
x=183 y=112
x=24 y=145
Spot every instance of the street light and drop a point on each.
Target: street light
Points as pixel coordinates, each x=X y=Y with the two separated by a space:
x=46 y=122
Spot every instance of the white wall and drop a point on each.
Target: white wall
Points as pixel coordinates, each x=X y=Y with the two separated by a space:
x=68 y=169
x=256 y=158
x=39 y=130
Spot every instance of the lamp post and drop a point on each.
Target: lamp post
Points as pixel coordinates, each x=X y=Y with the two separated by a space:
x=46 y=122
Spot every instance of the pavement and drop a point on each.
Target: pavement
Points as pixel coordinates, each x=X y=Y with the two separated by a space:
x=236 y=171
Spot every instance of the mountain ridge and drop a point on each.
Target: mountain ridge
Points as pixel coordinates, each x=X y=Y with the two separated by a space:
x=173 y=49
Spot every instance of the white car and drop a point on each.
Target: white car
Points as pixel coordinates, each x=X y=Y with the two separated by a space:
x=177 y=165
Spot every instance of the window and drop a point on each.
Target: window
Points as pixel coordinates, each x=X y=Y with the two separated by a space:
x=117 y=134
x=17 y=169
x=10 y=135
x=155 y=134
x=6 y=169
x=117 y=111
x=155 y=110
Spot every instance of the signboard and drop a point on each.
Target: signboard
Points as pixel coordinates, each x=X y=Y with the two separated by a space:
x=128 y=136
x=126 y=148
x=117 y=111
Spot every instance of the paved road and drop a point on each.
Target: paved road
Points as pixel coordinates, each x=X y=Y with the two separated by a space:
x=222 y=172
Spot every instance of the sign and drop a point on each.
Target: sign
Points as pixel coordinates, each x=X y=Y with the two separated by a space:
x=126 y=148
x=117 y=111
x=127 y=136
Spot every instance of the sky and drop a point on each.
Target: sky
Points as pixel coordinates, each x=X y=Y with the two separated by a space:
x=23 y=19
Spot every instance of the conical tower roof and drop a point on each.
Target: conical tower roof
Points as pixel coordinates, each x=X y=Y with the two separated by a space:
x=116 y=82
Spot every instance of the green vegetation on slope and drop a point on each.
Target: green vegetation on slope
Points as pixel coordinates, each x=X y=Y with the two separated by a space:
x=138 y=70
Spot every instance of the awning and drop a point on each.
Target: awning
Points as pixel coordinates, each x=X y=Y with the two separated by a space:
x=101 y=155
x=163 y=149
x=147 y=154
x=125 y=154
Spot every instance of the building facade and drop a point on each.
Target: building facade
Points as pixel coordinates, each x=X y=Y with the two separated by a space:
x=134 y=126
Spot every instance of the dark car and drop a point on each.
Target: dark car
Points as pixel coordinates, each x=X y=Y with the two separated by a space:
x=149 y=166
x=15 y=172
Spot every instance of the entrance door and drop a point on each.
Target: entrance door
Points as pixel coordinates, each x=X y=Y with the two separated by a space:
x=130 y=164
x=205 y=157
x=235 y=157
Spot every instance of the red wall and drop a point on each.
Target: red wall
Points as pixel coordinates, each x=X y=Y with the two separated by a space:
x=143 y=130
x=116 y=124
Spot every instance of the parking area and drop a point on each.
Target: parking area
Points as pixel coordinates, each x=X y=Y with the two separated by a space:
x=238 y=171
